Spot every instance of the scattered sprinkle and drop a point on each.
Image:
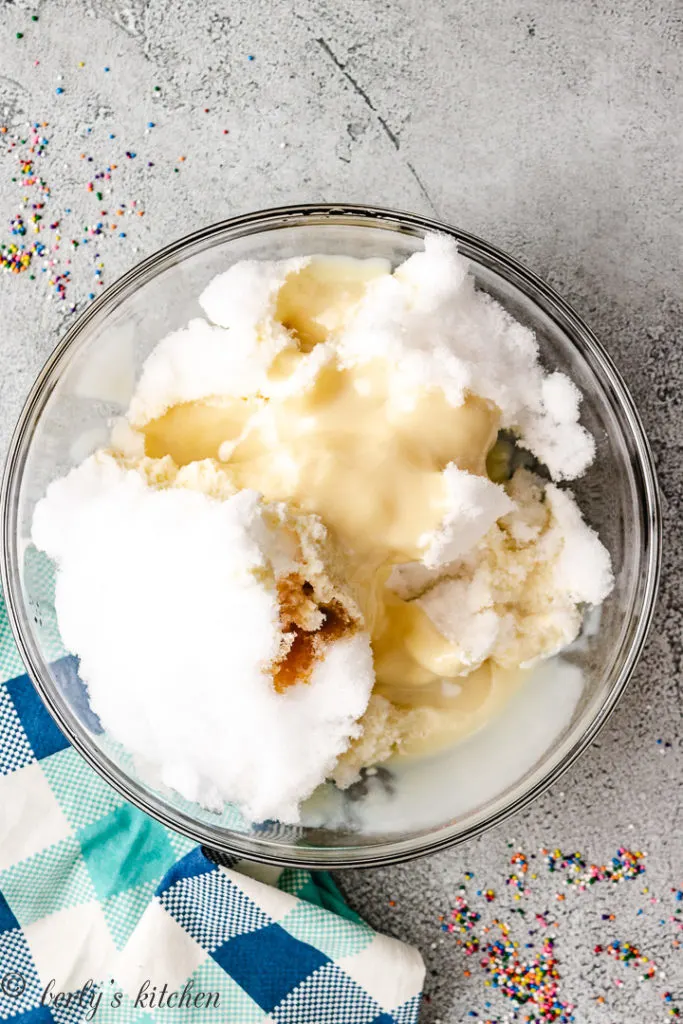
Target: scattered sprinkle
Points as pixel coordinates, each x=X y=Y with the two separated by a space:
x=516 y=880
x=518 y=958
x=625 y=865
x=532 y=982
x=462 y=917
x=41 y=243
x=627 y=953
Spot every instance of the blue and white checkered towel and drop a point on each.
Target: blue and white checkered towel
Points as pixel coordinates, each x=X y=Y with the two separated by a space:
x=106 y=915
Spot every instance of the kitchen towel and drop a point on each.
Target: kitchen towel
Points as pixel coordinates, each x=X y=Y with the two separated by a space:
x=107 y=915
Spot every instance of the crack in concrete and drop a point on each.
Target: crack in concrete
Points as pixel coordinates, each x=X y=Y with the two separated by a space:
x=324 y=45
x=393 y=138
x=423 y=188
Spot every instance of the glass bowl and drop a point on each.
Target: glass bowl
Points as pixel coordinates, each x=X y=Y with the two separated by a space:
x=394 y=813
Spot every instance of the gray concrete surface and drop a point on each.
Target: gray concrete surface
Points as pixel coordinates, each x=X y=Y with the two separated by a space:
x=550 y=127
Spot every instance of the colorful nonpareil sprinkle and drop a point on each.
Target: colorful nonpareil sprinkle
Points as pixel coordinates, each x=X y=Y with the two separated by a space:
x=624 y=865
x=520 y=958
x=43 y=240
x=462 y=917
x=627 y=953
x=26 y=150
x=528 y=981
x=517 y=879
x=40 y=238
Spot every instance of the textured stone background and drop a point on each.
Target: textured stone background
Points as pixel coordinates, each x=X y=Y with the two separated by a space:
x=550 y=127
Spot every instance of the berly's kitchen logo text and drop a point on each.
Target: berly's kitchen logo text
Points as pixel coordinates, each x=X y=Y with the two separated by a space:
x=90 y=997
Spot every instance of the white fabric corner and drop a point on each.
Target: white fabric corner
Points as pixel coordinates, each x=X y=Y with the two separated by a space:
x=390 y=971
x=158 y=951
x=30 y=816
x=71 y=946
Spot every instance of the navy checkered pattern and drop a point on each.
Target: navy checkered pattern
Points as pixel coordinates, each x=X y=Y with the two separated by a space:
x=292 y=981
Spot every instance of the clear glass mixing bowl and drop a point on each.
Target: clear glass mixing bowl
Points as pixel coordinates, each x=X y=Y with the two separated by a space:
x=393 y=814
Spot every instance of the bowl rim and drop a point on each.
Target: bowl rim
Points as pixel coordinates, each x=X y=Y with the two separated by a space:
x=389 y=851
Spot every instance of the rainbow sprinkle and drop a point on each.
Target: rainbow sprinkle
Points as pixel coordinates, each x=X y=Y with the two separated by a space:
x=517 y=879
x=625 y=865
x=49 y=254
x=532 y=983
x=463 y=918
x=16 y=257
x=526 y=972
x=627 y=953
x=673 y=1010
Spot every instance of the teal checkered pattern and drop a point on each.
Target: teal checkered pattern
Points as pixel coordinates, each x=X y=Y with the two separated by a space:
x=106 y=915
